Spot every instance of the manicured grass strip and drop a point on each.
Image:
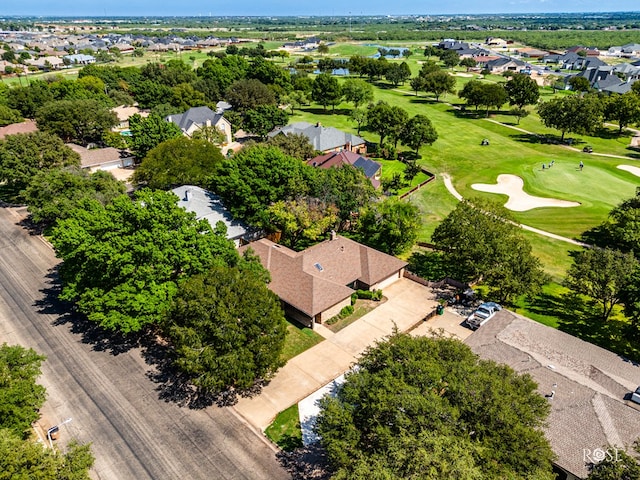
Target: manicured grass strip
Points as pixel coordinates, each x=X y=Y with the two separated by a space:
x=298 y=340
x=285 y=429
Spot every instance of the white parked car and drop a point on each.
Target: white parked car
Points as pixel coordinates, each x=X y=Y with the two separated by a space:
x=482 y=315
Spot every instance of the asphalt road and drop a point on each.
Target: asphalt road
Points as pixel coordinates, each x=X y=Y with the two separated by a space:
x=110 y=395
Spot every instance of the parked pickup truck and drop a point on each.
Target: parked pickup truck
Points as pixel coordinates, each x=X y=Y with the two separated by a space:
x=482 y=315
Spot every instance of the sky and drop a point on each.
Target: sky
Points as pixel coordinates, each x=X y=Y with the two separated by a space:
x=300 y=7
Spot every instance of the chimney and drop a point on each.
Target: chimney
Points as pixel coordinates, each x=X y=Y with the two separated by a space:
x=318 y=124
x=348 y=146
x=187 y=195
x=333 y=235
x=208 y=122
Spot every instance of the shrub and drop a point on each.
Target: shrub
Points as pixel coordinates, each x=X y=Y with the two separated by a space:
x=375 y=295
x=346 y=311
x=354 y=297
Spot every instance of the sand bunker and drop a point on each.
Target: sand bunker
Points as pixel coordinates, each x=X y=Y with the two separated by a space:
x=462 y=74
x=630 y=169
x=519 y=201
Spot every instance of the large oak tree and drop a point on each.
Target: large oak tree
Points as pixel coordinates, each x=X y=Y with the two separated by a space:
x=420 y=407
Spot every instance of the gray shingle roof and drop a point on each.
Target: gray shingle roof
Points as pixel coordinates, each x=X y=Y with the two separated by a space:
x=588 y=409
x=322 y=138
x=194 y=116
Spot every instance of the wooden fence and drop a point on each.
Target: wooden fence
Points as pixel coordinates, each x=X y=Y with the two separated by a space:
x=431 y=178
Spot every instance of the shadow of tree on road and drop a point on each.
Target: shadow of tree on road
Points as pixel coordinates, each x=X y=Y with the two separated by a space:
x=306 y=463
x=172 y=385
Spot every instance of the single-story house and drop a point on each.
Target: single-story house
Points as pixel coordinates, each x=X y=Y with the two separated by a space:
x=316 y=283
x=28 y=126
x=101 y=158
x=532 y=52
x=209 y=206
x=79 y=59
x=324 y=139
x=501 y=65
x=587 y=387
x=46 y=62
x=370 y=168
x=197 y=117
x=124 y=113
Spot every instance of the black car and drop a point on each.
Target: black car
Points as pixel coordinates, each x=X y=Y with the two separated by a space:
x=587 y=149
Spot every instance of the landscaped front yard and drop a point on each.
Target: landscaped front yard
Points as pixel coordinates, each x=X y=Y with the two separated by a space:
x=298 y=340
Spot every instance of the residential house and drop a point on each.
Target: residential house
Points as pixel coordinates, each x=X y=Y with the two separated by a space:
x=45 y=63
x=531 y=52
x=79 y=59
x=198 y=117
x=316 y=283
x=324 y=139
x=631 y=50
x=496 y=42
x=28 y=126
x=370 y=168
x=501 y=65
x=124 y=113
x=101 y=158
x=208 y=206
x=586 y=386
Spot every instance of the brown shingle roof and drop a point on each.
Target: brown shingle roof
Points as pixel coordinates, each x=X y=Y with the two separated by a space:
x=588 y=409
x=315 y=279
x=28 y=126
x=96 y=156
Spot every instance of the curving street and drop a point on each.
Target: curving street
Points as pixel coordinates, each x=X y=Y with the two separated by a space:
x=109 y=391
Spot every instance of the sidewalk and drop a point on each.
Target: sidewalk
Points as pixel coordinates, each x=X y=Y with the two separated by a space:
x=408 y=302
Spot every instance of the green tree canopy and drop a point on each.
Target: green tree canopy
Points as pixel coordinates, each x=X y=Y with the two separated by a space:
x=345 y=187
x=178 y=161
x=572 y=114
x=147 y=133
x=27 y=100
x=54 y=194
x=301 y=221
x=24 y=155
x=438 y=82
x=326 y=90
x=418 y=131
x=9 y=116
x=601 y=274
x=122 y=262
x=522 y=90
x=295 y=145
x=624 y=109
x=390 y=225
x=20 y=396
x=357 y=91
x=618 y=466
x=420 y=407
x=228 y=329
x=82 y=121
x=248 y=94
x=258 y=176
x=30 y=460
x=480 y=240
x=264 y=118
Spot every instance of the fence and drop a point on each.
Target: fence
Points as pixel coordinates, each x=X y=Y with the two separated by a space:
x=431 y=178
x=427 y=283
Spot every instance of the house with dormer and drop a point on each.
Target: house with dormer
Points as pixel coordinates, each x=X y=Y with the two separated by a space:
x=315 y=284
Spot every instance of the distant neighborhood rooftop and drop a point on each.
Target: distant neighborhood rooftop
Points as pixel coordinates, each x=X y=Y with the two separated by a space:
x=586 y=385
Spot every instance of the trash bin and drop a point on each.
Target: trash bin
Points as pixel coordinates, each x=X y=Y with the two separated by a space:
x=439 y=309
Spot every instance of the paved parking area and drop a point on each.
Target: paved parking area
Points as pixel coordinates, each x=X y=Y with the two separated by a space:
x=450 y=322
x=408 y=302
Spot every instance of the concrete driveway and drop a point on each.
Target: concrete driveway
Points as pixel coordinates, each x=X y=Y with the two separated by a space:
x=408 y=303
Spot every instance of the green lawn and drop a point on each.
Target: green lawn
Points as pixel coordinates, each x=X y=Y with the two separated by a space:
x=298 y=340
x=285 y=429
